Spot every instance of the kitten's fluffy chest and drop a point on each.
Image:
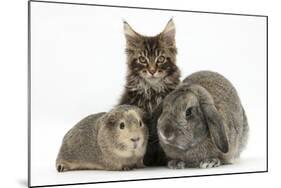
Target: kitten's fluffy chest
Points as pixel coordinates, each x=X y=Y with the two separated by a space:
x=148 y=95
x=148 y=88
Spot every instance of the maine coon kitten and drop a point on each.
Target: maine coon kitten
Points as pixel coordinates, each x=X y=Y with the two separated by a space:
x=152 y=71
x=152 y=74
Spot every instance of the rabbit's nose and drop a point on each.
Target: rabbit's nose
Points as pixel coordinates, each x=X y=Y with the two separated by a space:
x=168 y=133
x=135 y=139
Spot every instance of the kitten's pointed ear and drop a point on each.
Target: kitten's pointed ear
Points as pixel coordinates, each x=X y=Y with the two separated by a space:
x=168 y=34
x=132 y=37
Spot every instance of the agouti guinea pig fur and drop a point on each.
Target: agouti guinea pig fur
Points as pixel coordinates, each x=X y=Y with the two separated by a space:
x=105 y=141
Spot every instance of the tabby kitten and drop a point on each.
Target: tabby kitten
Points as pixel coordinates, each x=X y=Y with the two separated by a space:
x=152 y=71
x=152 y=74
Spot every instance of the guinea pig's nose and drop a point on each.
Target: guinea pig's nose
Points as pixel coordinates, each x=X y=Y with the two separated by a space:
x=135 y=139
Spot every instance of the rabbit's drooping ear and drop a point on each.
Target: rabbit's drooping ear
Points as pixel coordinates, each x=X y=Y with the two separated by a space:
x=213 y=118
x=216 y=127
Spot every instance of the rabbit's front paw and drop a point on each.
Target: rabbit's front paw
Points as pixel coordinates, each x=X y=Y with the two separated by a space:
x=210 y=163
x=176 y=164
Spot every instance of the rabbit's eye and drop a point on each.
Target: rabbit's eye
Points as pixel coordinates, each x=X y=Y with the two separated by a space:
x=140 y=124
x=188 y=112
x=122 y=125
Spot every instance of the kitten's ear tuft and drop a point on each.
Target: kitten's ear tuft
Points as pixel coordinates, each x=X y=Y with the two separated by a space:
x=132 y=37
x=168 y=34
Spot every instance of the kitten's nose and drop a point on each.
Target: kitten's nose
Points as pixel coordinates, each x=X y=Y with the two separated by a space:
x=152 y=71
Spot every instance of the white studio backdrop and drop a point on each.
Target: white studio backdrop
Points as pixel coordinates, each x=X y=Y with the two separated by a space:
x=78 y=67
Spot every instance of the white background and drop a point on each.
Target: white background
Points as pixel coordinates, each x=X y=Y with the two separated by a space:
x=78 y=67
x=14 y=105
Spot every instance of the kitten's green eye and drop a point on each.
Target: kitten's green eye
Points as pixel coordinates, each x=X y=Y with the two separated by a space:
x=161 y=59
x=142 y=59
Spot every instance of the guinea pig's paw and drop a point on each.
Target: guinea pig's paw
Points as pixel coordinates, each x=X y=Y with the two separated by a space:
x=176 y=164
x=210 y=163
x=127 y=168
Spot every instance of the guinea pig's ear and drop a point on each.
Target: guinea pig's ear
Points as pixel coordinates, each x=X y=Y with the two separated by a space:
x=216 y=127
x=111 y=119
x=212 y=116
x=144 y=116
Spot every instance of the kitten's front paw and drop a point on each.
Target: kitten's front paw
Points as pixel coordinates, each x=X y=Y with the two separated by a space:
x=210 y=163
x=176 y=164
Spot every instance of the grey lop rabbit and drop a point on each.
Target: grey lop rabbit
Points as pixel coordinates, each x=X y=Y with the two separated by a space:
x=202 y=123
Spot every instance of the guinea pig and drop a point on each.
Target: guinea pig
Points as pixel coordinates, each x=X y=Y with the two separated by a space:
x=202 y=123
x=105 y=141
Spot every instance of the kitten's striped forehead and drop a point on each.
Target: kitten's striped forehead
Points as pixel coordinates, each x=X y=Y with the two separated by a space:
x=151 y=47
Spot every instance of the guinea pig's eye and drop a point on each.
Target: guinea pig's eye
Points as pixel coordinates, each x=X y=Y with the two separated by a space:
x=122 y=125
x=142 y=59
x=188 y=112
x=140 y=124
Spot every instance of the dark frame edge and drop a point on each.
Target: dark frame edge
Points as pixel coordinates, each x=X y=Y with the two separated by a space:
x=29 y=92
x=135 y=7
x=165 y=178
x=267 y=93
